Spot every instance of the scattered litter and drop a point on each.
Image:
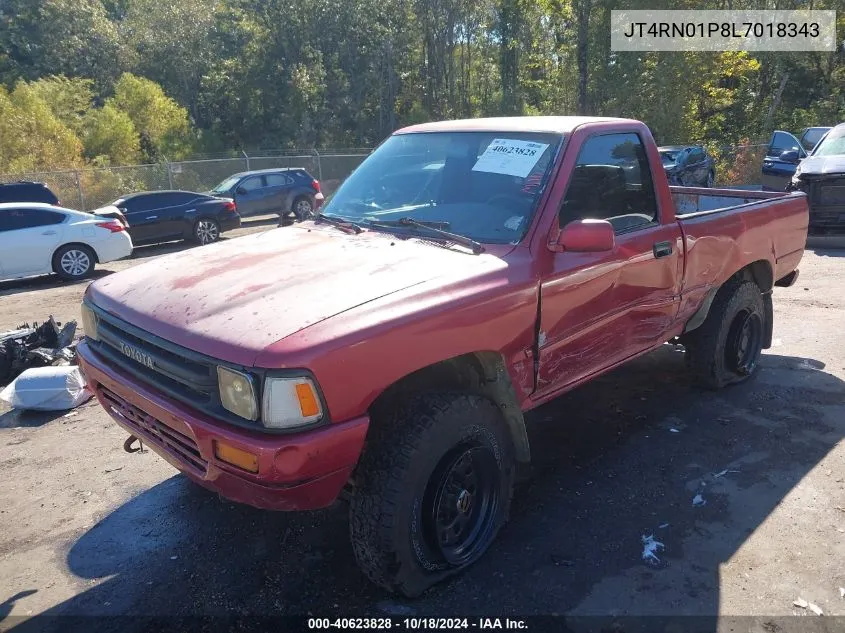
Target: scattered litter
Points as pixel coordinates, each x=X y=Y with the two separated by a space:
x=111 y=470
x=650 y=547
x=698 y=501
x=674 y=430
x=815 y=609
x=801 y=603
x=36 y=346
x=723 y=473
x=71 y=414
x=174 y=558
x=663 y=526
x=842 y=592
x=47 y=389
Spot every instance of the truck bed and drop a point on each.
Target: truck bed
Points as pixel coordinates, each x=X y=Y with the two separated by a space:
x=721 y=226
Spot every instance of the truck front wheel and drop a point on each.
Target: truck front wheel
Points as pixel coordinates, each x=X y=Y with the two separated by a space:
x=726 y=348
x=431 y=491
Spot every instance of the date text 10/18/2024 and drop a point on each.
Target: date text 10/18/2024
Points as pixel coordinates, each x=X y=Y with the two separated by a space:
x=418 y=624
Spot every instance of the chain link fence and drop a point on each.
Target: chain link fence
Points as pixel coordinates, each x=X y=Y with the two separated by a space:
x=91 y=188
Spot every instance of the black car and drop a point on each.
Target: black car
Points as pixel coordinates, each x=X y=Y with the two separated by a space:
x=688 y=165
x=25 y=191
x=159 y=216
x=267 y=191
x=821 y=175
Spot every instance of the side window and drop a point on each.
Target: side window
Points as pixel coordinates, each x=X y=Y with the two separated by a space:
x=696 y=155
x=611 y=181
x=177 y=198
x=17 y=219
x=782 y=142
x=251 y=184
x=278 y=180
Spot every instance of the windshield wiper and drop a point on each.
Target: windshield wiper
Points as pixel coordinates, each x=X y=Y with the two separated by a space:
x=339 y=222
x=476 y=247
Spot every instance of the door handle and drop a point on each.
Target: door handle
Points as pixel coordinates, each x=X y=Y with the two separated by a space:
x=662 y=249
x=48 y=233
x=152 y=217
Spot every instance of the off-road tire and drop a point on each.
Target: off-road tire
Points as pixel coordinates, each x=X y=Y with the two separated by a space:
x=73 y=262
x=707 y=347
x=402 y=455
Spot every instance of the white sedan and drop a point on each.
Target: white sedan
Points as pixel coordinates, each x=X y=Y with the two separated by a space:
x=37 y=239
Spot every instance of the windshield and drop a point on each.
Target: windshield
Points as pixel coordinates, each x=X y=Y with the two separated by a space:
x=833 y=144
x=482 y=185
x=227 y=184
x=669 y=156
x=812 y=136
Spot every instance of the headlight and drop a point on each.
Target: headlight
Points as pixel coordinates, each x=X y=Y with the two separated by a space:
x=290 y=402
x=237 y=393
x=90 y=323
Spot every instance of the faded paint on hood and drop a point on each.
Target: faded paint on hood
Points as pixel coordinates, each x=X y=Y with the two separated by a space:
x=823 y=165
x=232 y=299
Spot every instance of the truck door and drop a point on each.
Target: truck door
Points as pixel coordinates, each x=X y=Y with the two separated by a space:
x=776 y=171
x=599 y=308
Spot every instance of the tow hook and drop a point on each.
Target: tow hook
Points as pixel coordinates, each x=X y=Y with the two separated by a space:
x=127 y=445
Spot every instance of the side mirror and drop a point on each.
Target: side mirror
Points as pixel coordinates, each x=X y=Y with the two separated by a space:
x=240 y=190
x=586 y=236
x=790 y=156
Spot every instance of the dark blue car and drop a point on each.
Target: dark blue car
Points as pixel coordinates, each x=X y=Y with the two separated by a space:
x=279 y=191
x=784 y=153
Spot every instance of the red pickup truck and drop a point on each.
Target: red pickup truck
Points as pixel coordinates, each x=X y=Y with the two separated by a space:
x=386 y=350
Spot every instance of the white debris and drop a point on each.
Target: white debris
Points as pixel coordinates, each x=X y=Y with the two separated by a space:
x=698 y=501
x=803 y=604
x=842 y=592
x=674 y=430
x=663 y=525
x=47 y=389
x=815 y=609
x=723 y=473
x=174 y=558
x=650 y=547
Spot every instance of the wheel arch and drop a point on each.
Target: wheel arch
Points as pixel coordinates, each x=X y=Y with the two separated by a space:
x=483 y=373
x=762 y=274
x=88 y=247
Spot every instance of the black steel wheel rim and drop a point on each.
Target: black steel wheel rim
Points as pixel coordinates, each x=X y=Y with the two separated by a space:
x=745 y=342
x=461 y=503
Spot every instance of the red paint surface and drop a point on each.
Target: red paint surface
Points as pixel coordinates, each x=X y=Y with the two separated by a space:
x=363 y=311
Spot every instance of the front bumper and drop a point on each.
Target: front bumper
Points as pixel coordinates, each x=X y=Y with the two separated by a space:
x=302 y=471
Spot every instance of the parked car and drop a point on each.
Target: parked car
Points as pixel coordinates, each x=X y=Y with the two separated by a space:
x=507 y=265
x=688 y=165
x=37 y=239
x=266 y=191
x=822 y=177
x=784 y=152
x=25 y=191
x=159 y=216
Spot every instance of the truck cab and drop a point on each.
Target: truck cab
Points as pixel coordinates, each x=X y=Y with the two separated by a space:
x=386 y=351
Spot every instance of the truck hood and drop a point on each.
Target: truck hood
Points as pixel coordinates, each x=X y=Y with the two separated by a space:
x=232 y=299
x=823 y=165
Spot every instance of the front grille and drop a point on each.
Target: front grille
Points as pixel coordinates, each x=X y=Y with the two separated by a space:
x=154 y=431
x=827 y=206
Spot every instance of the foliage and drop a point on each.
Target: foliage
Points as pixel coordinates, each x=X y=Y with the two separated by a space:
x=110 y=137
x=224 y=74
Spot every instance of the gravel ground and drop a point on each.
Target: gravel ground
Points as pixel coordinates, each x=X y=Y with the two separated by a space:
x=87 y=529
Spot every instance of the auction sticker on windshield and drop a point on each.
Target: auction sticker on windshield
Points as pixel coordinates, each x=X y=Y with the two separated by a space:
x=510 y=157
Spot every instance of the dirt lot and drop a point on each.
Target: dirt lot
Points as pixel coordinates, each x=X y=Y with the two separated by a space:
x=87 y=529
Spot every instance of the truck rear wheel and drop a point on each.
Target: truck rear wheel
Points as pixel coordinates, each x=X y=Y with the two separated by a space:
x=726 y=348
x=432 y=490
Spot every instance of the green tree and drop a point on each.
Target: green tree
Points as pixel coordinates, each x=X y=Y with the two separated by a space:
x=110 y=137
x=69 y=99
x=161 y=122
x=31 y=137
